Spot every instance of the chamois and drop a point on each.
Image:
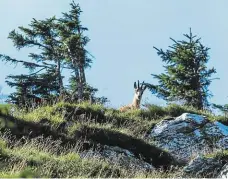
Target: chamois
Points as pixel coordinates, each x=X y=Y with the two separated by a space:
x=137 y=97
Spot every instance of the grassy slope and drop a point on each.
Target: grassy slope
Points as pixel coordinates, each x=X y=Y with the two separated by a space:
x=93 y=122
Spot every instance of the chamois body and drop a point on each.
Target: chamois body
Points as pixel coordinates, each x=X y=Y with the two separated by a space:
x=137 y=98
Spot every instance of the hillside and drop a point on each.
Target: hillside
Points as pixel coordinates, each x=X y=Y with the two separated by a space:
x=83 y=140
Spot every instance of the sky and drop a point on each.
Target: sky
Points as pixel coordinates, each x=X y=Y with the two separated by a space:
x=122 y=35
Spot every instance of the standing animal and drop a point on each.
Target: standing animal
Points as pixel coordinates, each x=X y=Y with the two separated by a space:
x=139 y=89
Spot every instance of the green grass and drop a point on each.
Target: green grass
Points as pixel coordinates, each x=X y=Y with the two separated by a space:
x=46 y=158
x=39 y=114
x=5 y=108
x=173 y=110
x=133 y=122
x=94 y=115
x=26 y=172
x=41 y=158
x=220 y=155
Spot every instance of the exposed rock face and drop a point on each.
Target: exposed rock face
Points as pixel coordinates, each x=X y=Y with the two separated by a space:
x=117 y=155
x=203 y=167
x=224 y=172
x=189 y=135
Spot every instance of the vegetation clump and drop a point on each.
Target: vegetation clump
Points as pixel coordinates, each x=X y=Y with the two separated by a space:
x=48 y=123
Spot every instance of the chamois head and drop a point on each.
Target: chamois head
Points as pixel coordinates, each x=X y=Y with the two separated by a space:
x=139 y=89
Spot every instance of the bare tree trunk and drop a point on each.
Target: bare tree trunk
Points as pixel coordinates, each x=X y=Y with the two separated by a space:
x=80 y=91
x=79 y=74
x=82 y=81
x=60 y=80
x=79 y=85
x=81 y=70
x=83 y=75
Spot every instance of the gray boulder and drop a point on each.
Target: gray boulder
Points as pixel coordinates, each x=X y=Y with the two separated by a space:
x=224 y=172
x=119 y=156
x=189 y=135
x=203 y=167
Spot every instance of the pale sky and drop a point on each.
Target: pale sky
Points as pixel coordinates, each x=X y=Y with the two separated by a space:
x=123 y=33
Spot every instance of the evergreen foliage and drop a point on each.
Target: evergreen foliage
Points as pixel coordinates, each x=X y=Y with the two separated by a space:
x=30 y=88
x=60 y=44
x=186 y=76
x=88 y=92
x=74 y=41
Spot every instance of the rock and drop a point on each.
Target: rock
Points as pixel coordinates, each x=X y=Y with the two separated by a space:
x=189 y=135
x=203 y=167
x=224 y=172
x=117 y=155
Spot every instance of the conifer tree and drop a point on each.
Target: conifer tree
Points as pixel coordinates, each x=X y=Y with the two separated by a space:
x=71 y=34
x=42 y=35
x=60 y=43
x=186 y=76
x=45 y=66
x=88 y=92
x=29 y=88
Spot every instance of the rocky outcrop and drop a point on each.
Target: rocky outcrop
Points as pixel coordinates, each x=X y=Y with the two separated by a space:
x=203 y=167
x=224 y=172
x=141 y=149
x=175 y=141
x=189 y=135
x=117 y=155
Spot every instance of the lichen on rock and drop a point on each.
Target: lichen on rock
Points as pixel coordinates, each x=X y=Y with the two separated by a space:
x=117 y=155
x=189 y=135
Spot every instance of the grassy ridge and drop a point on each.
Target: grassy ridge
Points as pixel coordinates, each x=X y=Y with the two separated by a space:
x=45 y=142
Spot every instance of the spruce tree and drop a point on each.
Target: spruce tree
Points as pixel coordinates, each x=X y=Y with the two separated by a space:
x=42 y=35
x=186 y=76
x=88 y=92
x=74 y=42
x=61 y=44
x=29 y=88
